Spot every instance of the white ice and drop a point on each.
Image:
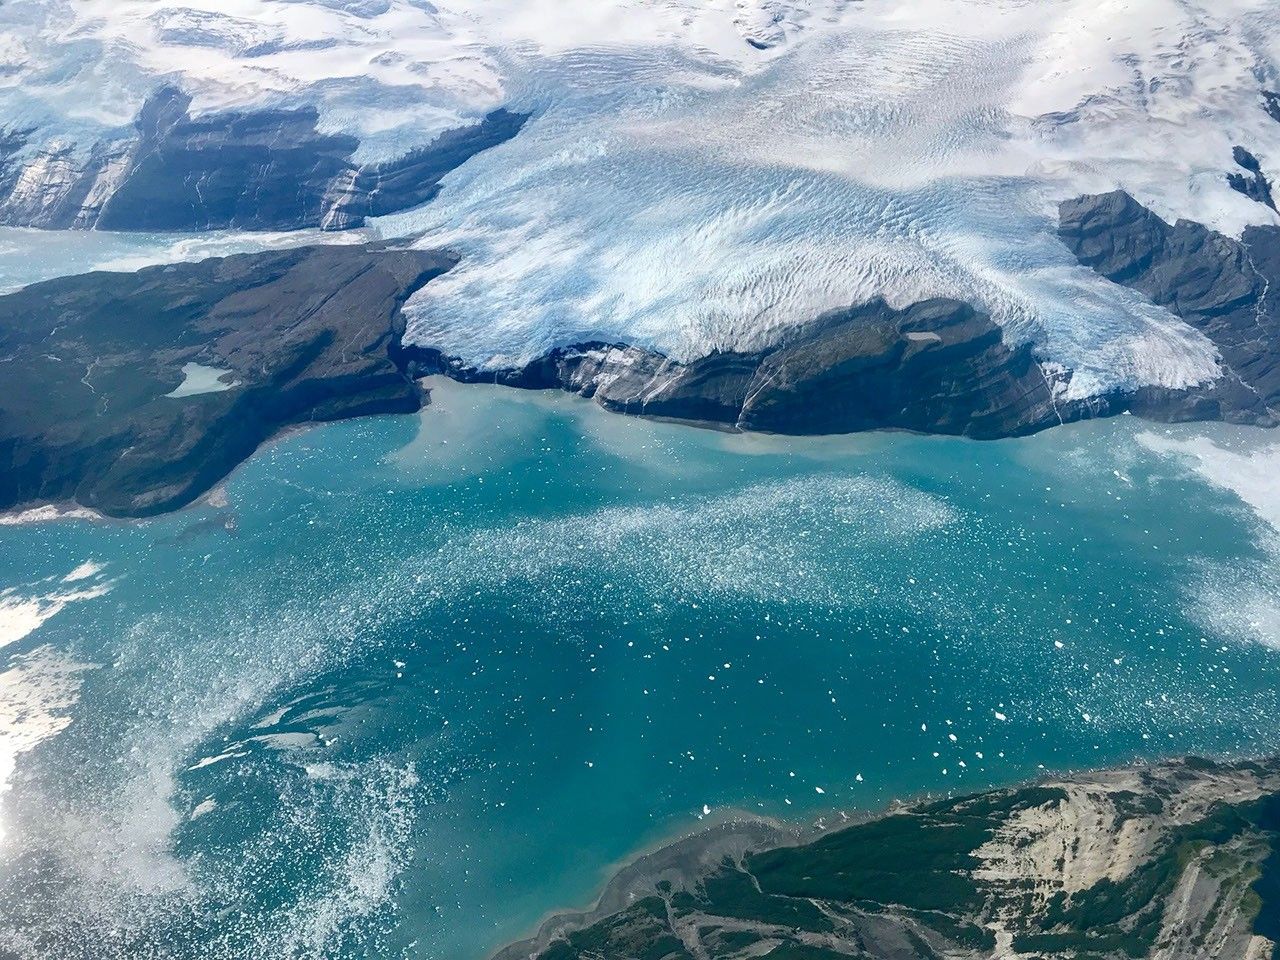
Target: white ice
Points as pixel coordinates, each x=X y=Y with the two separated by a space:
x=198 y=379
x=686 y=189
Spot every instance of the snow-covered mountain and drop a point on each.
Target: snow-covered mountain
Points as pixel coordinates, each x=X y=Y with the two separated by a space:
x=705 y=174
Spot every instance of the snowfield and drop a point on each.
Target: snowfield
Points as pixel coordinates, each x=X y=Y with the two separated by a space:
x=704 y=175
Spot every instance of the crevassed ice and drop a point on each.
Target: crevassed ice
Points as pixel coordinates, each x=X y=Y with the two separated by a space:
x=702 y=175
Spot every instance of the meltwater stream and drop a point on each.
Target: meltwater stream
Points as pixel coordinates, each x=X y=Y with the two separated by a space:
x=419 y=681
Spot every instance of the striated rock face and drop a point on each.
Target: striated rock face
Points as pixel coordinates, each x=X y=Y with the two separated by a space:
x=133 y=394
x=1228 y=289
x=937 y=366
x=1180 y=862
x=261 y=170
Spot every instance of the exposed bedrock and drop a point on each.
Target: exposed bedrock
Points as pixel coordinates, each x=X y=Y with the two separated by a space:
x=1253 y=183
x=1225 y=288
x=1179 y=861
x=937 y=366
x=254 y=170
x=133 y=394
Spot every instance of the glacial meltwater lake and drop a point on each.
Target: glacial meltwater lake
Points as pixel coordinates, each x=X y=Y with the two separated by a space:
x=413 y=682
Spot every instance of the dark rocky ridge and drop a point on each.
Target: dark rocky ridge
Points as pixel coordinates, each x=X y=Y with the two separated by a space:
x=1227 y=289
x=937 y=366
x=258 y=170
x=306 y=335
x=1179 y=861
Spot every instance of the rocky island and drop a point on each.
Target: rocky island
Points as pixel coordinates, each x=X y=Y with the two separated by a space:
x=1179 y=861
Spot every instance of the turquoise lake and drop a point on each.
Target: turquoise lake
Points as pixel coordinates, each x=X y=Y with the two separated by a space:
x=409 y=683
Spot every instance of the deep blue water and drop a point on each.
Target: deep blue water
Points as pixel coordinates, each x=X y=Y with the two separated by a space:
x=421 y=680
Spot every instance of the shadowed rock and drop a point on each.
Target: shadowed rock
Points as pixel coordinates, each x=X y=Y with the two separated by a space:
x=252 y=170
x=1225 y=288
x=1253 y=183
x=937 y=366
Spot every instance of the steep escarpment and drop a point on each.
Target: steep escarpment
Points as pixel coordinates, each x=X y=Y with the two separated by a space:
x=1227 y=289
x=1167 y=861
x=937 y=366
x=132 y=394
x=255 y=170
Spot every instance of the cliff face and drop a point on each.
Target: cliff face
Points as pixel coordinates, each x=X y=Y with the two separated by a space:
x=261 y=170
x=133 y=394
x=936 y=366
x=1176 y=861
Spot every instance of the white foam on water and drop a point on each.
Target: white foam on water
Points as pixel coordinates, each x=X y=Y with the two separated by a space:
x=360 y=882
x=729 y=547
x=37 y=691
x=1250 y=473
x=83 y=572
x=46 y=514
x=1237 y=600
x=22 y=612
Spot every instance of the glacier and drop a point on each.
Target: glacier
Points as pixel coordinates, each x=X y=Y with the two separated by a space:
x=705 y=175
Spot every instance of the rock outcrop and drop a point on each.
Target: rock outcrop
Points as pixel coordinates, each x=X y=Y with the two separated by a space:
x=258 y=170
x=1253 y=183
x=936 y=366
x=133 y=394
x=1180 y=862
x=1227 y=289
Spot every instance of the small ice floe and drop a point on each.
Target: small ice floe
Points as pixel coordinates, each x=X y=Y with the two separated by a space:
x=858 y=778
x=217 y=758
x=203 y=807
x=819 y=790
x=999 y=715
x=84 y=572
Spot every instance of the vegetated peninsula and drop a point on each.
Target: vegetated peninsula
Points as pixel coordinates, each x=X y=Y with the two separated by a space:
x=134 y=393
x=1179 y=861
